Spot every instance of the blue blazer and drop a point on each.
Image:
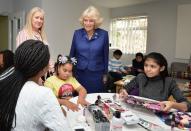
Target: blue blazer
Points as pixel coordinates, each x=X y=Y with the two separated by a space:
x=91 y=54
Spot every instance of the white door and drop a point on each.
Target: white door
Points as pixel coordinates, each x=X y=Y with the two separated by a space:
x=16 y=23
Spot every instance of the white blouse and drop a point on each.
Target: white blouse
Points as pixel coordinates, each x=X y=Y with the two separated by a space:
x=23 y=36
x=38 y=108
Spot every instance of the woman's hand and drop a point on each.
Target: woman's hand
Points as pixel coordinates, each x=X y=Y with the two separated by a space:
x=82 y=102
x=123 y=93
x=166 y=105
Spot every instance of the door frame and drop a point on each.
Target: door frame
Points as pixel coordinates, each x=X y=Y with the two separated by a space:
x=16 y=23
x=6 y=17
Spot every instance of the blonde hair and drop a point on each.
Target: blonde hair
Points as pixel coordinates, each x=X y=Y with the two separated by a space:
x=93 y=13
x=28 y=26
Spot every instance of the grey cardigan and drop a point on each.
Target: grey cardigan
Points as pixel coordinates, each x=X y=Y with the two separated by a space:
x=156 y=88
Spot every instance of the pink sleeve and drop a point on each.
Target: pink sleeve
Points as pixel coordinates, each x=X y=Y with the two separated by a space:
x=21 y=37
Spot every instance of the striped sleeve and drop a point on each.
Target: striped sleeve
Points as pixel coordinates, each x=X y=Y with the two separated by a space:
x=115 y=65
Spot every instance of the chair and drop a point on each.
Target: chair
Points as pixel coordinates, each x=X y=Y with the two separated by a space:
x=179 y=70
x=178 y=66
x=110 y=86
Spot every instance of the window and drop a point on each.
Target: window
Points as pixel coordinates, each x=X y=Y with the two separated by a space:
x=129 y=34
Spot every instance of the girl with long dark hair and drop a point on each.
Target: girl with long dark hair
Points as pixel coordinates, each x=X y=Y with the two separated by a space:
x=155 y=84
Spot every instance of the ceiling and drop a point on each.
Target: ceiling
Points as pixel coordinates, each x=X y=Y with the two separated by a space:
x=118 y=3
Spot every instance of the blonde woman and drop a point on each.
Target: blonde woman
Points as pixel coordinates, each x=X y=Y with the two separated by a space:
x=90 y=46
x=34 y=28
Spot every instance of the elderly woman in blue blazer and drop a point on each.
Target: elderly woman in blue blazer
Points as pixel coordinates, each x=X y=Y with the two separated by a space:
x=90 y=46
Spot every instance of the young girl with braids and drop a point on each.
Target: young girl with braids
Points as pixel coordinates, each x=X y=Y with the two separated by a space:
x=24 y=105
x=64 y=84
x=155 y=84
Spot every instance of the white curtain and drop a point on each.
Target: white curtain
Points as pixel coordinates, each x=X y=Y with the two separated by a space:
x=129 y=34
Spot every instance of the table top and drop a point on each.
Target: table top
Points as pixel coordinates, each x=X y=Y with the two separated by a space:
x=75 y=118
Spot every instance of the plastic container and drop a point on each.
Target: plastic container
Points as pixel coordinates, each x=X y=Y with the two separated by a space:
x=116 y=122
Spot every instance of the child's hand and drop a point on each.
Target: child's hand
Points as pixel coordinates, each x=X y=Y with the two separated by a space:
x=123 y=93
x=139 y=70
x=82 y=102
x=126 y=72
x=119 y=72
x=166 y=105
x=72 y=106
x=129 y=69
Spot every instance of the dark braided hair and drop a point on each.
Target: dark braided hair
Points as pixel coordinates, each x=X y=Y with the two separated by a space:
x=30 y=58
x=161 y=61
x=8 y=56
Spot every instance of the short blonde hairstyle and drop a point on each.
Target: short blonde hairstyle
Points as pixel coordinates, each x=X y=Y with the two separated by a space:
x=28 y=25
x=92 y=13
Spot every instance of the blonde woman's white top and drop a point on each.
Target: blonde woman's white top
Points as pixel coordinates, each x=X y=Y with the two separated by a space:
x=38 y=108
x=23 y=36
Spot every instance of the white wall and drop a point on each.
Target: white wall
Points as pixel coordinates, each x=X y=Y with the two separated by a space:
x=62 y=19
x=25 y=5
x=183 y=39
x=5 y=7
x=9 y=6
x=162 y=19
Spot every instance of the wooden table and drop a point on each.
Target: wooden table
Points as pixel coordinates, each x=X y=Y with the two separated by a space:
x=120 y=83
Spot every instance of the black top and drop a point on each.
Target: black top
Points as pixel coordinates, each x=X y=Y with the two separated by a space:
x=137 y=65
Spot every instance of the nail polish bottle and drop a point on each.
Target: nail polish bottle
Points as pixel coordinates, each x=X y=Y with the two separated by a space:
x=116 y=122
